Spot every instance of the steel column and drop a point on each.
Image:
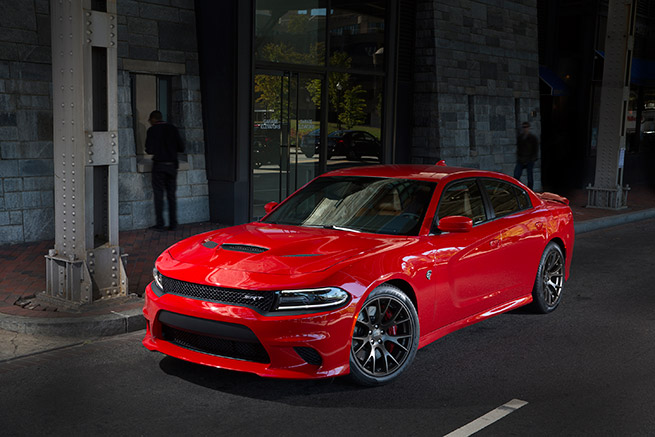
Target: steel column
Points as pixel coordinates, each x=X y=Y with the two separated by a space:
x=608 y=190
x=85 y=264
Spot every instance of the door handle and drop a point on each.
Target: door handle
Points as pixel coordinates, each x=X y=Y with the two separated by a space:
x=539 y=225
x=494 y=243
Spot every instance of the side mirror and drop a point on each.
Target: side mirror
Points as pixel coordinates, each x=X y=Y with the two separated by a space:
x=270 y=206
x=455 y=223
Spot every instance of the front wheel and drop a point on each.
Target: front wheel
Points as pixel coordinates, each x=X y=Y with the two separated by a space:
x=547 y=290
x=385 y=338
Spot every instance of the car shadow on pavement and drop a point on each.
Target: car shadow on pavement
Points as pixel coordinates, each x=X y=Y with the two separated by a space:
x=337 y=392
x=251 y=385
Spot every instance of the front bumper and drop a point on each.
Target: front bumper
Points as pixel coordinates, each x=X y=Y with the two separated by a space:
x=243 y=334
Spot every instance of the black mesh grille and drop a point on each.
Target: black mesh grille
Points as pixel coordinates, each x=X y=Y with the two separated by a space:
x=309 y=354
x=243 y=248
x=260 y=300
x=216 y=346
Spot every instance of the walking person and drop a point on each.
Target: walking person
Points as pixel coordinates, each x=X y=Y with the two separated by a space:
x=163 y=142
x=527 y=149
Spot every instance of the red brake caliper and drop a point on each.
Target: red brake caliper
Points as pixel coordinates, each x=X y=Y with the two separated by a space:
x=393 y=330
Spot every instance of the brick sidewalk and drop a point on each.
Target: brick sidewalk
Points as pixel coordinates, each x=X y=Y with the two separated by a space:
x=22 y=266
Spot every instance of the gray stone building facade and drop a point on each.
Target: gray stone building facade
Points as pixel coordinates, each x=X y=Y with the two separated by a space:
x=155 y=41
x=476 y=78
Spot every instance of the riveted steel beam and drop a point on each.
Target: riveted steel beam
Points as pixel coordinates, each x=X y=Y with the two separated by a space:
x=86 y=263
x=608 y=190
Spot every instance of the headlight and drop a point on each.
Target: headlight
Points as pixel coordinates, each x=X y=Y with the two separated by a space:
x=158 y=278
x=310 y=299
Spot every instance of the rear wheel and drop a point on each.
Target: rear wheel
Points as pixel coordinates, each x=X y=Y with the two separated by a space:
x=385 y=338
x=547 y=290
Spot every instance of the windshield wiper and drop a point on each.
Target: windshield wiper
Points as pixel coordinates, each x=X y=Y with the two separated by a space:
x=341 y=228
x=336 y=228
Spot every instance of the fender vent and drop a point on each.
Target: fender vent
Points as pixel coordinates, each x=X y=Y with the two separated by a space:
x=243 y=248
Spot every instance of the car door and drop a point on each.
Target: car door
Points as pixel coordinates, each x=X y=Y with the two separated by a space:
x=468 y=266
x=522 y=235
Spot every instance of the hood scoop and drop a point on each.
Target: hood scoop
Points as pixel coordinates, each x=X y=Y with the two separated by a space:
x=243 y=248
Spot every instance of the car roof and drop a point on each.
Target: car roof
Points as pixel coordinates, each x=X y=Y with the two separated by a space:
x=433 y=173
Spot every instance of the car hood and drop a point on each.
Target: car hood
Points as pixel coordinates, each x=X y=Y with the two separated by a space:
x=278 y=249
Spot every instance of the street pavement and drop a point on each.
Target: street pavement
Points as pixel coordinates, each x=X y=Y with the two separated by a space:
x=586 y=369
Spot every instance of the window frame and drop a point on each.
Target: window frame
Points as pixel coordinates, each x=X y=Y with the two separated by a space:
x=434 y=229
x=491 y=213
x=486 y=201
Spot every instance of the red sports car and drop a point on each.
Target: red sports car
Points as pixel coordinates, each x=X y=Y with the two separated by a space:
x=357 y=270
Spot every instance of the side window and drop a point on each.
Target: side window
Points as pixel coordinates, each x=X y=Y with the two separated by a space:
x=462 y=198
x=502 y=196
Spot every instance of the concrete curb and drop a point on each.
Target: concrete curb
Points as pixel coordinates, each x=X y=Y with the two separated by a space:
x=616 y=220
x=113 y=323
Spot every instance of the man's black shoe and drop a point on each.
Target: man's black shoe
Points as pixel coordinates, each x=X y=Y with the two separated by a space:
x=158 y=228
x=171 y=228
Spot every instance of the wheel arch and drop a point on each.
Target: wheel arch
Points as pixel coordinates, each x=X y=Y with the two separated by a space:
x=560 y=243
x=406 y=288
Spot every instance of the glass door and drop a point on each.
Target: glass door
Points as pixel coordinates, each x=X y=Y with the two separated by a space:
x=286 y=135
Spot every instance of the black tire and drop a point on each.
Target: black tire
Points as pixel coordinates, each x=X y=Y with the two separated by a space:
x=547 y=290
x=379 y=334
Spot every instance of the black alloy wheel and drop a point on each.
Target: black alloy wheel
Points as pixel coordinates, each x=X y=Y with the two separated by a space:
x=385 y=338
x=547 y=290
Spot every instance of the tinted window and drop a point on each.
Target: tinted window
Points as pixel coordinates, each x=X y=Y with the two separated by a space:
x=365 y=204
x=502 y=196
x=462 y=198
x=524 y=199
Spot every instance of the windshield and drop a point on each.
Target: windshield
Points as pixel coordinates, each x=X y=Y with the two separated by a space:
x=360 y=204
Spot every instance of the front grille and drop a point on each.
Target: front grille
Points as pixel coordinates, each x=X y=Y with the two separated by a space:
x=259 y=300
x=243 y=248
x=309 y=354
x=216 y=346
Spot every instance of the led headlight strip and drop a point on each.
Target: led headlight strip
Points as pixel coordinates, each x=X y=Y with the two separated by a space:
x=308 y=299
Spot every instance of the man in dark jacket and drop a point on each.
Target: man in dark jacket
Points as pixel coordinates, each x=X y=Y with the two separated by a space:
x=163 y=142
x=527 y=148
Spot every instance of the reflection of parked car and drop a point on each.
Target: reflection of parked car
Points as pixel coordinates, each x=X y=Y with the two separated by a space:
x=353 y=144
x=266 y=145
x=310 y=143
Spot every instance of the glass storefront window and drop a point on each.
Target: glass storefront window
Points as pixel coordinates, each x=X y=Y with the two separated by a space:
x=286 y=135
x=287 y=33
x=357 y=34
x=309 y=117
x=354 y=120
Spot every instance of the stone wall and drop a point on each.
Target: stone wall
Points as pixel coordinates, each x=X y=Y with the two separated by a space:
x=476 y=79
x=156 y=33
x=160 y=36
x=26 y=171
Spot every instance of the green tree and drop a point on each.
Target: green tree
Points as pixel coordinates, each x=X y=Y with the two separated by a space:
x=353 y=107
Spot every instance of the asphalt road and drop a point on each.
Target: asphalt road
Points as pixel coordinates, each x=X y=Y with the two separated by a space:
x=587 y=369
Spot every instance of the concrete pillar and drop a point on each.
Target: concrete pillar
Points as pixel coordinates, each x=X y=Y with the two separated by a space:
x=86 y=264
x=608 y=190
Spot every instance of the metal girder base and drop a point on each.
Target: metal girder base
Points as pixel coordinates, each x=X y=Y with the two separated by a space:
x=72 y=282
x=607 y=198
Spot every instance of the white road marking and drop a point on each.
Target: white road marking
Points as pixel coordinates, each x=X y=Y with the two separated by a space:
x=487 y=419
